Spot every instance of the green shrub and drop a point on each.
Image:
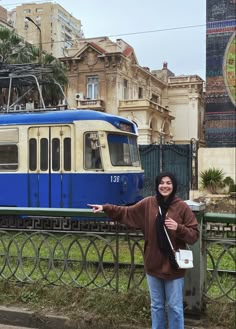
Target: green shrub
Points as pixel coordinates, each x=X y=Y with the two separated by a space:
x=228 y=181
x=212 y=179
x=232 y=188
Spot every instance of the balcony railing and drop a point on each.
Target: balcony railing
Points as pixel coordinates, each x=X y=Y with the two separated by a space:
x=95 y=104
x=144 y=104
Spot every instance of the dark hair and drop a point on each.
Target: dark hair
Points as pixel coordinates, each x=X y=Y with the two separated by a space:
x=165 y=203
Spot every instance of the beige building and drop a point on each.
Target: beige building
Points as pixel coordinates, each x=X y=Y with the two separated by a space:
x=55 y=28
x=187 y=103
x=106 y=76
x=3 y=18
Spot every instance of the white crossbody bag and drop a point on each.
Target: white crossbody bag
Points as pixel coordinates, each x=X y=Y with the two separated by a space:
x=183 y=257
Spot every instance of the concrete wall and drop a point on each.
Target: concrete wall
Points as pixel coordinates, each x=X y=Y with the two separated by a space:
x=219 y=158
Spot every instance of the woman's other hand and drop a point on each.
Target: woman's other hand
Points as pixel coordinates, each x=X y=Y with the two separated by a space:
x=170 y=223
x=96 y=207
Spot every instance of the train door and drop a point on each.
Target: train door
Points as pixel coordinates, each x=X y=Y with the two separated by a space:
x=49 y=167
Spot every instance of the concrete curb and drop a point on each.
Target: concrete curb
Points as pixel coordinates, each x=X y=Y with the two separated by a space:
x=23 y=317
x=6 y=326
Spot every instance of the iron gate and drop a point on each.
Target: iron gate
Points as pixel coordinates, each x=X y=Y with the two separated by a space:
x=167 y=157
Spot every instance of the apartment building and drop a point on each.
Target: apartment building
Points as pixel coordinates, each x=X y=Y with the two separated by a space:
x=105 y=76
x=3 y=18
x=53 y=28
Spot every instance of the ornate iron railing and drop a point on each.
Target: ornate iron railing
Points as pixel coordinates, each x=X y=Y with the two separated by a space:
x=81 y=259
x=101 y=253
x=219 y=242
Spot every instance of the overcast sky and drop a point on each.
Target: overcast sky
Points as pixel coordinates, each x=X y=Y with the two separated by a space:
x=160 y=31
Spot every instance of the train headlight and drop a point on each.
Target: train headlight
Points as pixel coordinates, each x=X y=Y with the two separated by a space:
x=141 y=182
x=124 y=184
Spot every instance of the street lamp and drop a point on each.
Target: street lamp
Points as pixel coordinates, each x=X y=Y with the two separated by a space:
x=27 y=18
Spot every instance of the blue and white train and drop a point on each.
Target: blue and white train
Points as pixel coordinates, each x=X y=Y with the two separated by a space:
x=67 y=159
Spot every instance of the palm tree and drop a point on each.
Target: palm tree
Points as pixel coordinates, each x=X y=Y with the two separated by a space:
x=13 y=49
x=58 y=68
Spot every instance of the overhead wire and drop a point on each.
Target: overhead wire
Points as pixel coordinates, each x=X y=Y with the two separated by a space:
x=135 y=33
x=159 y=30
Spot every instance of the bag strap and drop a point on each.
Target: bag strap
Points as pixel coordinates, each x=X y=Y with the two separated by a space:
x=168 y=234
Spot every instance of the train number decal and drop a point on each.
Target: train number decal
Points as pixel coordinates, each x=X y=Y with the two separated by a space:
x=115 y=179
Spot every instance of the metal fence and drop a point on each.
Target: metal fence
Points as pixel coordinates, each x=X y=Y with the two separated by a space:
x=178 y=159
x=80 y=259
x=100 y=253
x=219 y=249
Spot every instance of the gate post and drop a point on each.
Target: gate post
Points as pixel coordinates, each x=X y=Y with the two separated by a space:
x=195 y=277
x=194 y=164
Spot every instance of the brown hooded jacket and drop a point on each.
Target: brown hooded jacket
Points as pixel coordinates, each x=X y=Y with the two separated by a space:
x=143 y=216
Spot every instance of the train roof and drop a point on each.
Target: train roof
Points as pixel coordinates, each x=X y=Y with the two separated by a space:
x=58 y=117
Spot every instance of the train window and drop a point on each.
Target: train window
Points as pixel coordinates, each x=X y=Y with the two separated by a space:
x=8 y=157
x=123 y=150
x=32 y=154
x=119 y=150
x=55 y=154
x=9 y=135
x=92 y=151
x=43 y=154
x=134 y=151
x=67 y=154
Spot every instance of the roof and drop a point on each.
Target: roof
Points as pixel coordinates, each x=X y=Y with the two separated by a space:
x=102 y=45
x=58 y=117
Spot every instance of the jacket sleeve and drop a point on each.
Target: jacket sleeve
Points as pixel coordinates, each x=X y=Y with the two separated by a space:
x=133 y=216
x=188 y=230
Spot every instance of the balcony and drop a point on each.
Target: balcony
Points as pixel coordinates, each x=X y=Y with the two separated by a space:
x=141 y=104
x=93 y=104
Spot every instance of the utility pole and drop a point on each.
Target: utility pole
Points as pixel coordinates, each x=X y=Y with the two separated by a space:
x=27 y=18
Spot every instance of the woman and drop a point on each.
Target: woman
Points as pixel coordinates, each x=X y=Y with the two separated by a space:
x=165 y=280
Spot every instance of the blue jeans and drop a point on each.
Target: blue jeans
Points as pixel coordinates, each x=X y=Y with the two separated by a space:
x=166 y=293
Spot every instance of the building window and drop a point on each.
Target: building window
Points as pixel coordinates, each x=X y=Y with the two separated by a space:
x=92 y=87
x=125 y=89
x=27 y=11
x=155 y=99
x=39 y=10
x=140 y=92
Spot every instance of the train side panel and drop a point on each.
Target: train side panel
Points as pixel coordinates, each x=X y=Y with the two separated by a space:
x=48 y=165
x=13 y=177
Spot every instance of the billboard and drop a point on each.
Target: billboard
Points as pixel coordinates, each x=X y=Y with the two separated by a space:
x=220 y=114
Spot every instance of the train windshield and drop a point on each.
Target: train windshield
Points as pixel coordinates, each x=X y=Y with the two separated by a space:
x=123 y=150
